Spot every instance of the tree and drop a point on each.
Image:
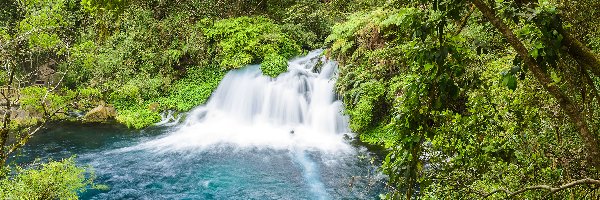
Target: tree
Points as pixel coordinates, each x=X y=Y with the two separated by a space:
x=36 y=40
x=574 y=48
x=458 y=110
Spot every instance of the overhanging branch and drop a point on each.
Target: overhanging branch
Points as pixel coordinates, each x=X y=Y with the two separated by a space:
x=551 y=190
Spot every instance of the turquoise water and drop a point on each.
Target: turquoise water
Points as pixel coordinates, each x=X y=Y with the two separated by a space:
x=221 y=172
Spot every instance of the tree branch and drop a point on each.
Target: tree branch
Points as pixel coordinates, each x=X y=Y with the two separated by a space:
x=580 y=52
x=465 y=19
x=551 y=190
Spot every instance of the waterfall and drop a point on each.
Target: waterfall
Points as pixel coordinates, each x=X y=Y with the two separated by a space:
x=297 y=112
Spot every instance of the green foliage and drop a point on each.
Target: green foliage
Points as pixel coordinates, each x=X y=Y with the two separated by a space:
x=307 y=22
x=138 y=68
x=194 y=89
x=40 y=100
x=367 y=98
x=94 y=6
x=247 y=40
x=128 y=96
x=52 y=180
x=458 y=101
x=273 y=65
x=137 y=117
x=132 y=102
x=595 y=43
x=42 y=22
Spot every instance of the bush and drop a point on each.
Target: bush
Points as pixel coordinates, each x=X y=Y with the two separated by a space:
x=246 y=40
x=273 y=65
x=138 y=117
x=52 y=180
x=363 y=112
x=194 y=89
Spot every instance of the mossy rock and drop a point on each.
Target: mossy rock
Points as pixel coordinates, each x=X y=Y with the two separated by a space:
x=100 y=113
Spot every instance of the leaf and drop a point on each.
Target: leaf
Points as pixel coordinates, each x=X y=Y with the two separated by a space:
x=428 y=66
x=510 y=81
x=517 y=61
x=534 y=53
x=555 y=77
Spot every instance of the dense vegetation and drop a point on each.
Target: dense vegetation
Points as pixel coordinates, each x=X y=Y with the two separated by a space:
x=63 y=57
x=470 y=99
x=476 y=99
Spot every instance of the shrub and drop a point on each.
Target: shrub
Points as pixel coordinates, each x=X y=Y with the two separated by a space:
x=52 y=180
x=138 y=117
x=246 y=40
x=194 y=89
x=273 y=65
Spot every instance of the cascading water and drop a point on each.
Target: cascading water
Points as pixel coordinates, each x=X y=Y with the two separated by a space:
x=257 y=138
x=297 y=111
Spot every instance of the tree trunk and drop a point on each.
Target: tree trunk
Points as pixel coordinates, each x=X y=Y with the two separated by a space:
x=571 y=109
x=4 y=130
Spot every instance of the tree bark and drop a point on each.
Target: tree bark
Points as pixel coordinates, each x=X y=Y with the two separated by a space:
x=570 y=108
x=4 y=130
x=580 y=52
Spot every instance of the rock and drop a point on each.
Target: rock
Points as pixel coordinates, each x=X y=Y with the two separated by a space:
x=153 y=106
x=100 y=114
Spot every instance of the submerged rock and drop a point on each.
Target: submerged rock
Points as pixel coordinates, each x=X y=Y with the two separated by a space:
x=101 y=113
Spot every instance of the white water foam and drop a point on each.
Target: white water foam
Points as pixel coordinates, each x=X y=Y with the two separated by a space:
x=168 y=119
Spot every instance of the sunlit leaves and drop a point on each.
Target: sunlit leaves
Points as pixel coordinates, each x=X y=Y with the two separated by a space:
x=52 y=180
x=41 y=100
x=248 y=40
x=510 y=81
x=273 y=65
x=194 y=89
x=42 y=21
x=138 y=117
x=95 y=6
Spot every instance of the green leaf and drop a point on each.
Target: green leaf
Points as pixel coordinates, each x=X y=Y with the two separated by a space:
x=555 y=77
x=510 y=81
x=428 y=66
x=534 y=53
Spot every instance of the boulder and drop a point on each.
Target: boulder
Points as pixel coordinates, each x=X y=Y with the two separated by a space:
x=100 y=114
